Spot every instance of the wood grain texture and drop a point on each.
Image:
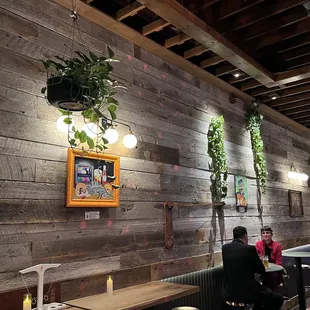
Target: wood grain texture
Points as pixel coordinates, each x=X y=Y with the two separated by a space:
x=137 y=297
x=96 y=284
x=169 y=111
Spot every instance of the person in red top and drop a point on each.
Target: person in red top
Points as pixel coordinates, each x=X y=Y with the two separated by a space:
x=272 y=249
x=268 y=247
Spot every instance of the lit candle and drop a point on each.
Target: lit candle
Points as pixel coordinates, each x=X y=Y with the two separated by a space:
x=27 y=302
x=110 y=286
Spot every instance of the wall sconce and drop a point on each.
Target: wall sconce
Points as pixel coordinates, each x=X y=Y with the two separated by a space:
x=297 y=176
x=92 y=130
x=129 y=140
x=111 y=135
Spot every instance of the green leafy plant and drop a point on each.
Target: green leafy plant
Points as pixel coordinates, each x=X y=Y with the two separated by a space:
x=253 y=124
x=219 y=161
x=91 y=90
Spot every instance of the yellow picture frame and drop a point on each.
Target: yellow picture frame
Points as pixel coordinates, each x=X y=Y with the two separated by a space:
x=93 y=180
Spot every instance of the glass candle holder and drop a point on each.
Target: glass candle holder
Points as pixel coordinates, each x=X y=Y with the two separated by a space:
x=27 y=302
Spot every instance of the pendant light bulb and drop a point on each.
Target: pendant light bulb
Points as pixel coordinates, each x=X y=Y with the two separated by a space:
x=62 y=126
x=91 y=129
x=111 y=135
x=130 y=141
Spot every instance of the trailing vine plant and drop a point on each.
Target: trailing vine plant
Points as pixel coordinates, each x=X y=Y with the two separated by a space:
x=219 y=169
x=253 y=124
x=87 y=81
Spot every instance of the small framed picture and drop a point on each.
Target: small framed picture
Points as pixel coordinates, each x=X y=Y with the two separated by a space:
x=92 y=179
x=241 y=192
x=295 y=203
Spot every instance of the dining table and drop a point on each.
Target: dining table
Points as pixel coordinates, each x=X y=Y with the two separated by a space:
x=273 y=267
x=135 y=297
x=298 y=255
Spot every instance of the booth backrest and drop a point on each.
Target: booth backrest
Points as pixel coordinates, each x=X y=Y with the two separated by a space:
x=210 y=282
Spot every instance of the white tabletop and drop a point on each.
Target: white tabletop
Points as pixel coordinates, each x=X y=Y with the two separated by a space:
x=273 y=267
x=296 y=254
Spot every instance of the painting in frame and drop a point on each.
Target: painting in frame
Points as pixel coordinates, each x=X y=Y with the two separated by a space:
x=241 y=192
x=295 y=203
x=93 y=179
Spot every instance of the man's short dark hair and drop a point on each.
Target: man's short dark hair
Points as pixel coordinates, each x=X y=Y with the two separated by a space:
x=239 y=232
x=266 y=228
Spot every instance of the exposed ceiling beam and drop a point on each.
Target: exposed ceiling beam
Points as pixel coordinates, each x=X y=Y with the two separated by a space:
x=139 y=39
x=157 y=25
x=225 y=69
x=293 y=43
x=305 y=122
x=270 y=24
x=278 y=35
x=177 y=40
x=286 y=45
x=290 y=99
x=291 y=91
x=300 y=115
x=293 y=75
x=293 y=105
x=182 y=19
x=282 y=119
x=129 y=10
x=295 y=90
x=233 y=80
x=297 y=62
x=249 y=85
x=195 y=6
x=298 y=110
x=195 y=51
x=296 y=52
x=269 y=8
x=264 y=90
x=211 y=61
x=229 y=7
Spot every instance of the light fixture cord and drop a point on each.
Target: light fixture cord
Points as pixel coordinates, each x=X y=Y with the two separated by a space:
x=118 y=122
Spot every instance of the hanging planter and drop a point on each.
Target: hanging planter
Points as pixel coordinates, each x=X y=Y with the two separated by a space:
x=83 y=83
x=253 y=124
x=64 y=93
x=219 y=169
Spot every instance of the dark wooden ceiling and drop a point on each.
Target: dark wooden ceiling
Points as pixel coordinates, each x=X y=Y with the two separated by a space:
x=274 y=33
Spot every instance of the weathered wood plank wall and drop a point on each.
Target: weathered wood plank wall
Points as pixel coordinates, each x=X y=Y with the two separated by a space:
x=169 y=110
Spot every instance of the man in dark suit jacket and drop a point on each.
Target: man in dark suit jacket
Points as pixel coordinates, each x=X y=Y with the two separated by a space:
x=241 y=262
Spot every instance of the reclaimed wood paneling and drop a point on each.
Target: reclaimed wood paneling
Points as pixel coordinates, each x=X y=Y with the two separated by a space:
x=169 y=111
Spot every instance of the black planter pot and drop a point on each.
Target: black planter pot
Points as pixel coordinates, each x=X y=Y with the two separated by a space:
x=64 y=94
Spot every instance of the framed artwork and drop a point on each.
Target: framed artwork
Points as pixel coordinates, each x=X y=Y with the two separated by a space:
x=241 y=192
x=295 y=203
x=92 y=179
